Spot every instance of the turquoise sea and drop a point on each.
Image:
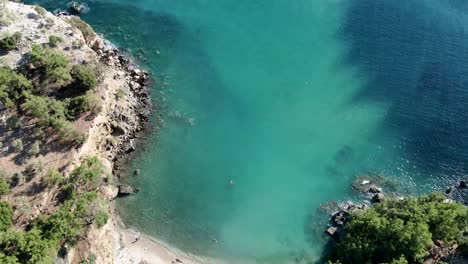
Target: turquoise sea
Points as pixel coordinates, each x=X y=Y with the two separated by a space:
x=271 y=108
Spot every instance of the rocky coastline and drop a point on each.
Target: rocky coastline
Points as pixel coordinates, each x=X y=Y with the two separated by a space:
x=371 y=191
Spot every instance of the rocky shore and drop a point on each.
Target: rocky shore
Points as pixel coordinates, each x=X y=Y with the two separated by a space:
x=371 y=191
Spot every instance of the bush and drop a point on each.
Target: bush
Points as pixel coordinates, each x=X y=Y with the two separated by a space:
x=80 y=104
x=6 y=17
x=101 y=218
x=54 y=65
x=53 y=177
x=12 y=86
x=10 y=42
x=35 y=148
x=17 y=144
x=402 y=231
x=40 y=10
x=6 y=215
x=54 y=40
x=90 y=171
x=37 y=106
x=85 y=29
x=25 y=247
x=4 y=187
x=84 y=76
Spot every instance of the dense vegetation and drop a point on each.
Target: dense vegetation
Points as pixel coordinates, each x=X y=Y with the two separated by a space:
x=39 y=94
x=403 y=231
x=80 y=207
x=10 y=42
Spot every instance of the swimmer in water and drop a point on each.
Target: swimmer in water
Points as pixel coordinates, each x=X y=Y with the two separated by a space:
x=231 y=182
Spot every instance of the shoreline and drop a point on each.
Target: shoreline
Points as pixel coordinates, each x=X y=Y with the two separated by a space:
x=116 y=242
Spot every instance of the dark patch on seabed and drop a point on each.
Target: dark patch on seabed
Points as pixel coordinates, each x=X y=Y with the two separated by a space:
x=415 y=55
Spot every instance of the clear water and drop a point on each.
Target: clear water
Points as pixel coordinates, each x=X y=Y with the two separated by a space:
x=289 y=101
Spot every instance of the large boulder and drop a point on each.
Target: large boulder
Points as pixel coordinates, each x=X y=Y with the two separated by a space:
x=125 y=190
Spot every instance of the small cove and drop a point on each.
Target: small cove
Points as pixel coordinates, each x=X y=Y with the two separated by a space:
x=289 y=101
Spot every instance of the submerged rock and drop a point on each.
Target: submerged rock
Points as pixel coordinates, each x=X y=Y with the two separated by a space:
x=463 y=185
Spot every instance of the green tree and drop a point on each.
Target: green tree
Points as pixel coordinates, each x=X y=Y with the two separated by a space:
x=395 y=231
x=12 y=86
x=54 y=65
x=10 y=42
x=84 y=76
x=6 y=215
x=4 y=187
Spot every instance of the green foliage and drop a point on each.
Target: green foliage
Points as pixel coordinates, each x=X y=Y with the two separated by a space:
x=402 y=231
x=62 y=226
x=6 y=215
x=54 y=40
x=25 y=247
x=84 y=76
x=54 y=65
x=86 y=30
x=101 y=218
x=90 y=171
x=12 y=86
x=6 y=17
x=52 y=113
x=17 y=144
x=40 y=10
x=53 y=177
x=91 y=259
x=4 y=187
x=10 y=42
x=80 y=104
x=35 y=148
x=37 y=106
x=120 y=93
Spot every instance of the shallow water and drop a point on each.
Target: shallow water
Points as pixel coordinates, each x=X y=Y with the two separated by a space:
x=272 y=108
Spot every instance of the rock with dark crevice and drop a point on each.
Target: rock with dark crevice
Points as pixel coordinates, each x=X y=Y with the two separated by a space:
x=125 y=190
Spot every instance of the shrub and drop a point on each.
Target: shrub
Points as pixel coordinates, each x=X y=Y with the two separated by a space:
x=35 y=148
x=25 y=247
x=101 y=218
x=17 y=144
x=80 y=104
x=10 y=42
x=54 y=65
x=12 y=86
x=53 y=177
x=37 y=106
x=6 y=215
x=85 y=29
x=91 y=259
x=40 y=10
x=6 y=17
x=84 y=76
x=89 y=171
x=4 y=187
x=401 y=231
x=54 y=40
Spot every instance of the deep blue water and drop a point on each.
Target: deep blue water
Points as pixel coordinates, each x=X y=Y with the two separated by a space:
x=291 y=101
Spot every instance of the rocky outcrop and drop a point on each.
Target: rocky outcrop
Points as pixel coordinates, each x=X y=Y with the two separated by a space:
x=125 y=190
x=458 y=192
x=341 y=218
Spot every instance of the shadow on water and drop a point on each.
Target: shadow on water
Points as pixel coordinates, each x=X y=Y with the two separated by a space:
x=415 y=55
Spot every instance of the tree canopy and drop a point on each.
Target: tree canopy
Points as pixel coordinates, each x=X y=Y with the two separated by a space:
x=395 y=230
